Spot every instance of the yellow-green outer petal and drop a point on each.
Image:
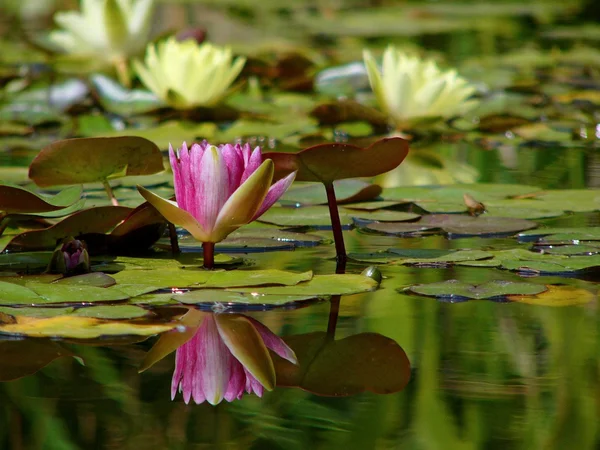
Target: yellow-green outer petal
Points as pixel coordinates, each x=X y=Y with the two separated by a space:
x=172 y=340
x=241 y=207
x=175 y=215
x=245 y=343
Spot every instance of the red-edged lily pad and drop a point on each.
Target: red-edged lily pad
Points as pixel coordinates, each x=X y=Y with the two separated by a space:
x=88 y=160
x=336 y=161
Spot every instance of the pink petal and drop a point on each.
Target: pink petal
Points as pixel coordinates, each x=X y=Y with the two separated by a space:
x=274 y=342
x=254 y=163
x=237 y=382
x=178 y=373
x=190 y=373
x=213 y=361
x=246 y=152
x=253 y=385
x=234 y=160
x=212 y=187
x=181 y=176
x=274 y=193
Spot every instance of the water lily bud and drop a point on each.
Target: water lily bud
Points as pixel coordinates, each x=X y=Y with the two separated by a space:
x=71 y=257
x=373 y=273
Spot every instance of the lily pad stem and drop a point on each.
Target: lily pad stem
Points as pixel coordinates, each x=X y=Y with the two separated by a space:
x=334 y=304
x=174 y=241
x=110 y=193
x=208 y=255
x=336 y=224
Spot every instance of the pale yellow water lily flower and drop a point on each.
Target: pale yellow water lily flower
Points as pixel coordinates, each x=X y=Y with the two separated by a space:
x=409 y=88
x=107 y=30
x=186 y=75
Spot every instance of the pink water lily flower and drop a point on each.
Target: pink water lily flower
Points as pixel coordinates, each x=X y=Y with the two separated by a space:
x=227 y=356
x=218 y=189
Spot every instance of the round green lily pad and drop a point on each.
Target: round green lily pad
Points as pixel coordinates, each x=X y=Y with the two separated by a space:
x=457 y=290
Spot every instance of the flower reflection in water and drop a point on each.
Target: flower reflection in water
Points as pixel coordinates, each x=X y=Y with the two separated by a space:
x=222 y=356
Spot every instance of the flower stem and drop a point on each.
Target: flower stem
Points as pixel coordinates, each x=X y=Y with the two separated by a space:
x=208 y=249
x=174 y=241
x=336 y=225
x=110 y=193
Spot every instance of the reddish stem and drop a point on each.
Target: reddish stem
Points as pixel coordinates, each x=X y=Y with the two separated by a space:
x=174 y=241
x=334 y=304
x=208 y=254
x=336 y=224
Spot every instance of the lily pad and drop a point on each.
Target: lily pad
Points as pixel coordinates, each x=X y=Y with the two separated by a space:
x=224 y=300
x=557 y=296
x=93 y=220
x=320 y=285
x=80 y=327
x=346 y=191
x=114 y=312
x=75 y=294
x=313 y=216
x=457 y=225
x=88 y=160
x=15 y=199
x=457 y=290
x=329 y=162
x=137 y=282
x=400 y=229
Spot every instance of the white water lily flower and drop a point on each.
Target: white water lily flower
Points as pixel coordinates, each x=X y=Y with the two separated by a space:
x=108 y=30
x=409 y=88
x=187 y=75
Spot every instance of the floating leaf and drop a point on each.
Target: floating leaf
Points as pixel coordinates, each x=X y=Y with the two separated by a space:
x=67 y=293
x=363 y=362
x=15 y=199
x=112 y=312
x=314 y=216
x=137 y=282
x=456 y=290
x=400 y=229
x=93 y=220
x=320 y=285
x=457 y=225
x=329 y=162
x=97 y=279
x=557 y=296
x=225 y=299
x=80 y=327
x=346 y=191
x=88 y=160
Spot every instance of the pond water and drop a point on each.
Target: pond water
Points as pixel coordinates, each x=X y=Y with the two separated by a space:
x=395 y=367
